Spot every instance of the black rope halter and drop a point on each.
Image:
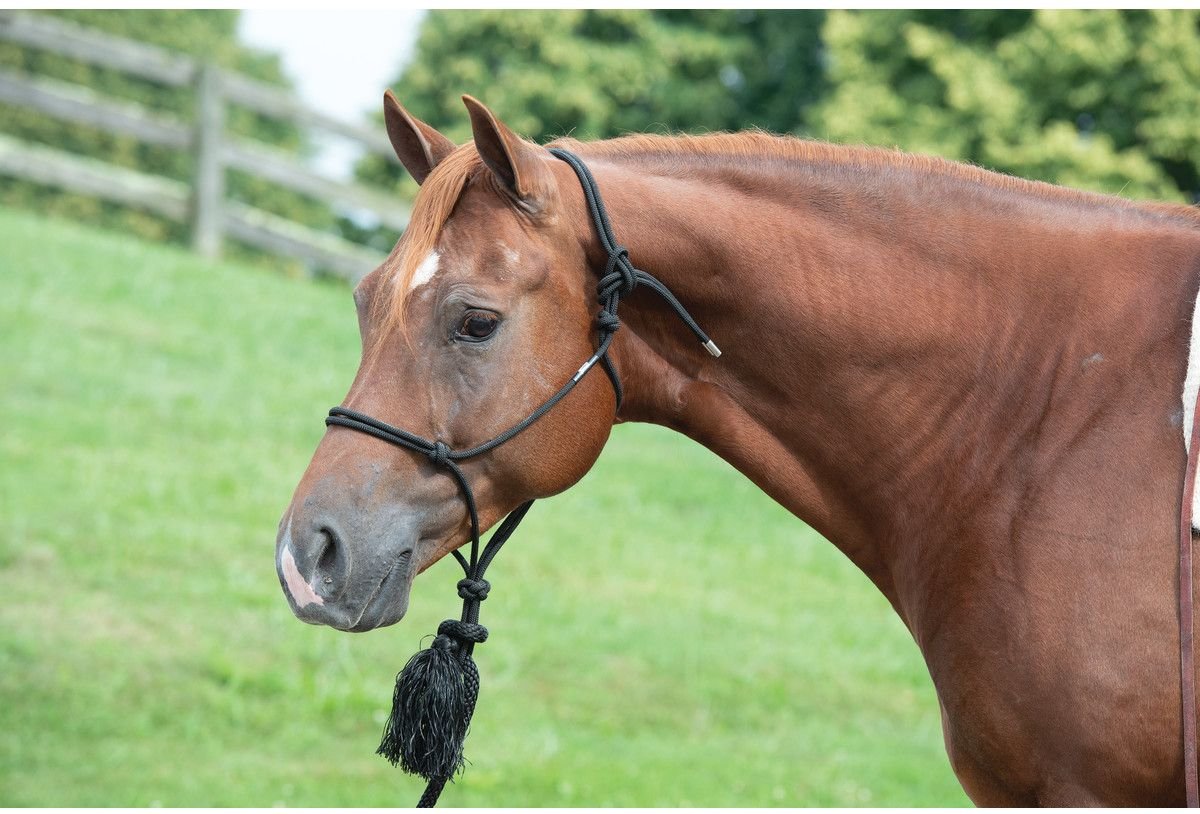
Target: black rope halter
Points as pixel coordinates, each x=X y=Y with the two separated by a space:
x=436 y=692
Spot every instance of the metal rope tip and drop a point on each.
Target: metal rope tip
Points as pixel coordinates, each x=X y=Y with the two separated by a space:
x=712 y=348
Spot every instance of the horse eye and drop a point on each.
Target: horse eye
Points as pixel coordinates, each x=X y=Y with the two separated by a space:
x=477 y=326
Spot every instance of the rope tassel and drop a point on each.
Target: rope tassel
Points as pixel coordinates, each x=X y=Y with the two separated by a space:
x=436 y=691
x=432 y=704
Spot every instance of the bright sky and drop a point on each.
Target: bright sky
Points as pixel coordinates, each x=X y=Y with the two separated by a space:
x=341 y=61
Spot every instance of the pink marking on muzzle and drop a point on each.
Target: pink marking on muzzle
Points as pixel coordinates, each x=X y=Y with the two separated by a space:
x=301 y=591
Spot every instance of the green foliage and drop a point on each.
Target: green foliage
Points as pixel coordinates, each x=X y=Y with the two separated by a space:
x=1095 y=99
x=595 y=74
x=1107 y=100
x=211 y=34
x=159 y=413
x=600 y=73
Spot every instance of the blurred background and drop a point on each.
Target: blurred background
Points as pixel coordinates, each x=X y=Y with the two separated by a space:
x=185 y=197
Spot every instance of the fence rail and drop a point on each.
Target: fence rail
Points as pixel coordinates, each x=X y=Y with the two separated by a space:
x=87 y=176
x=202 y=203
x=97 y=48
x=78 y=104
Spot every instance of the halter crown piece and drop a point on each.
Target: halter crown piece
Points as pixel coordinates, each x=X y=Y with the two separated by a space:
x=436 y=691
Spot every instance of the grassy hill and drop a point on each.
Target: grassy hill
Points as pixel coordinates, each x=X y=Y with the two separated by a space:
x=157 y=413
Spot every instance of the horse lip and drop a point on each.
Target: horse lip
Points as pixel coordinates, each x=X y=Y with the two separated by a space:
x=404 y=557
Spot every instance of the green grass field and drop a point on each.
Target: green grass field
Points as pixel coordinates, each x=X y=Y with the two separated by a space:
x=704 y=649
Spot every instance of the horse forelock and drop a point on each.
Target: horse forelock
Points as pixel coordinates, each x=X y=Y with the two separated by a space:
x=432 y=208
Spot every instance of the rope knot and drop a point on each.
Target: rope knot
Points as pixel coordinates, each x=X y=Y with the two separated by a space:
x=439 y=454
x=462 y=632
x=618 y=261
x=476 y=589
x=607 y=322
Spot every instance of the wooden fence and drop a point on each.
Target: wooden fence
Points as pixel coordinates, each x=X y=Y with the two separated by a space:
x=202 y=203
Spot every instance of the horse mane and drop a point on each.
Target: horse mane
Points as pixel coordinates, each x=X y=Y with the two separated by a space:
x=445 y=185
x=759 y=144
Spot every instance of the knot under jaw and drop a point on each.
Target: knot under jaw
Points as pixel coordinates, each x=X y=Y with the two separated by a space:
x=474 y=589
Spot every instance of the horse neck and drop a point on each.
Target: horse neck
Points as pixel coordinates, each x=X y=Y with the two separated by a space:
x=885 y=350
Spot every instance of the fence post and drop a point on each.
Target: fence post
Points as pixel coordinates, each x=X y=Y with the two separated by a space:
x=208 y=184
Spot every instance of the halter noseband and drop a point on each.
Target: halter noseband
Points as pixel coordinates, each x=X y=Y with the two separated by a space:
x=424 y=739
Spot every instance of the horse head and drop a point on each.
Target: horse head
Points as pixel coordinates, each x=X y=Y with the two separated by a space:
x=480 y=313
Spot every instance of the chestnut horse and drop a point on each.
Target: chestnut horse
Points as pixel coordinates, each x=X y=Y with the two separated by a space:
x=969 y=383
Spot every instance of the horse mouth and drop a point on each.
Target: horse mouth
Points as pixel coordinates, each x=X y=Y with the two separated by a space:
x=384 y=607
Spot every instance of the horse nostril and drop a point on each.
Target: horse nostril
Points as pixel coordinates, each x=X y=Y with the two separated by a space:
x=328 y=552
x=332 y=564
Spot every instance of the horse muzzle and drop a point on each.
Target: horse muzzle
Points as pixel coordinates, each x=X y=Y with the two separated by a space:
x=345 y=578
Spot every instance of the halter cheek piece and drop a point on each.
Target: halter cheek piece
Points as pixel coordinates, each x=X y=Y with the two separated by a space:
x=436 y=692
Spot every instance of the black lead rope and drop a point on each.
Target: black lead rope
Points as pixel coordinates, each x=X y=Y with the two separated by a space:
x=436 y=691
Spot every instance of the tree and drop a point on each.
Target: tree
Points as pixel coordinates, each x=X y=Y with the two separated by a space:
x=596 y=74
x=1106 y=100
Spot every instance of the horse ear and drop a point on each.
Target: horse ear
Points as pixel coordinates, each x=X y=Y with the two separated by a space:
x=516 y=163
x=418 y=146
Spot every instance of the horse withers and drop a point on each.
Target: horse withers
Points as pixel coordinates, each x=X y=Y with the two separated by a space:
x=969 y=383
